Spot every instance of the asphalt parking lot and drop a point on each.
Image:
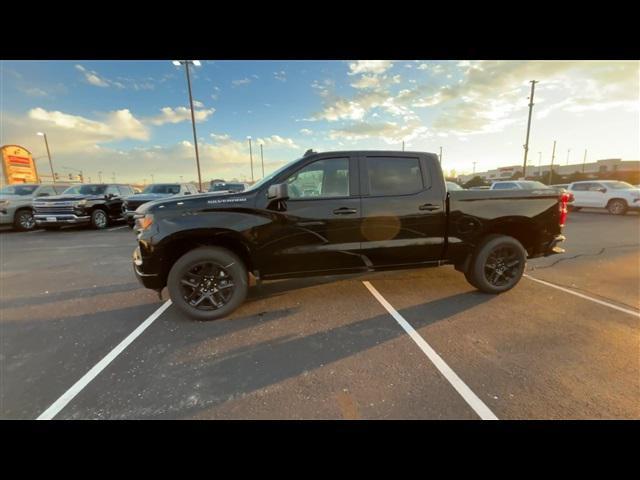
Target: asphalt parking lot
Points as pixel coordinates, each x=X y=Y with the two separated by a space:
x=326 y=347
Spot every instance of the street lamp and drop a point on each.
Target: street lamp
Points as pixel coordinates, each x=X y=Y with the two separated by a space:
x=100 y=176
x=250 y=157
x=186 y=64
x=262 y=159
x=42 y=134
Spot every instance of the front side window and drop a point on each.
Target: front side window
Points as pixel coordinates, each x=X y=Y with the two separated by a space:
x=113 y=190
x=125 y=191
x=580 y=187
x=60 y=188
x=394 y=176
x=322 y=179
x=46 y=192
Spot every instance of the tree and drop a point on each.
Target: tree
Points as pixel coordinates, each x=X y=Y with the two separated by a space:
x=516 y=175
x=476 y=181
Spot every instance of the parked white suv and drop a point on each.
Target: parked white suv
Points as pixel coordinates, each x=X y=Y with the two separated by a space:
x=617 y=197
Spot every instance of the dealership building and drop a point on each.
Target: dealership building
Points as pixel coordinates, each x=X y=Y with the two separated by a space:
x=599 y=167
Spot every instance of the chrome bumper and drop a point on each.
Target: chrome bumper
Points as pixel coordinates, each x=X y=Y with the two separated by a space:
x=60 y=218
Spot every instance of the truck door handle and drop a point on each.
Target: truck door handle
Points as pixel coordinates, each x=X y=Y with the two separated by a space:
x=344 y=211
x=429 y=206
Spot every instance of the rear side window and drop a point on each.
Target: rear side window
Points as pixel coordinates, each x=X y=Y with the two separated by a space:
x=582 y=187
x=394 y=175
x=504 y=186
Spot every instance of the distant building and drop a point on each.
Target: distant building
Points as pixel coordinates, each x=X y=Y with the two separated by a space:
x=598 y=168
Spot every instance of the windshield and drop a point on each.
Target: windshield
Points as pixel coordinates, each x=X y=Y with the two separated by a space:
x=271 y=176
x=619 y=185
x=72 y=190
x=86 y=190
x=18 y=189
x=170 y=189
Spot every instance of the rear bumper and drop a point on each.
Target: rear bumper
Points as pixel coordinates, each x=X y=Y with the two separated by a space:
x=553 y=248
x=60 y=219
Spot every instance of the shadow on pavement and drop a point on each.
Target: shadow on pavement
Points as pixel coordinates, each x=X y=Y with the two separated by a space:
x=193 y=386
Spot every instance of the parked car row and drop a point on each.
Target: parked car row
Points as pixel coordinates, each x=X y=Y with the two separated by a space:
x=50 y=206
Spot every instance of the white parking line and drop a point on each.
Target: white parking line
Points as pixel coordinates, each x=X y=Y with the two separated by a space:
x=118 y=228
x=67 y=396
x=456 y=382
x=35 y=231
x=586 y=297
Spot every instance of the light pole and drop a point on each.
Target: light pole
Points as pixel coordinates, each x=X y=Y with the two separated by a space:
x=152 y=180
x=474 y=168
x=440 y=155
x=553 y=157
x=250 y=157
x=262 y=160
x=526 y=143
x=403 y=145
x=568 y=152
x=76 y=170
x=584 y=160
x=42 y=134
x=100 y=176
x=539 y=162
x=186 y=64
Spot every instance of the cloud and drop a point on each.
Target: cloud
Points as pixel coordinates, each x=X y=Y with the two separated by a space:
x=93 y=78
x=389 y=132
x=281 y=75
x=181 y=114
x=277 y=141
x=369 y=66
x=243 y=81
x=118 y=124
x=306 y=131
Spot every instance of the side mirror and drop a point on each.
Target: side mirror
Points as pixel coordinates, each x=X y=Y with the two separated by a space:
x=187 y=193
x=603 y=190
x=44 y=194
x=279 y=191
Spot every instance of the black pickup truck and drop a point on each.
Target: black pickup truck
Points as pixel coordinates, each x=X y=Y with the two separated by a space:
x=90 y=204
x=340 y=212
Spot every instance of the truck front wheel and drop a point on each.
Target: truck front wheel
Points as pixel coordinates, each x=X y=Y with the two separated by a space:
x=208 y=283
x=497 y=265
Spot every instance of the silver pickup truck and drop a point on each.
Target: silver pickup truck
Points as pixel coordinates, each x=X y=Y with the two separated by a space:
x=15 y=202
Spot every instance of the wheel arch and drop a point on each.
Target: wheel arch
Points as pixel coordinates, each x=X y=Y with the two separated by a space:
x=177 y=245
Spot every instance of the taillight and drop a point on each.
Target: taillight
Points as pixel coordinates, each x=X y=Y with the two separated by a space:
x=562 y=205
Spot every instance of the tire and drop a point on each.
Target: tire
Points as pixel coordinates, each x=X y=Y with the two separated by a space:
x=23 y=220
x=198 y=265
x=99 y=219
x=504 y=252
x=617 y=207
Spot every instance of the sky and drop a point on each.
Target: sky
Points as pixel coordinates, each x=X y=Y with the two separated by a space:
x=132 y=118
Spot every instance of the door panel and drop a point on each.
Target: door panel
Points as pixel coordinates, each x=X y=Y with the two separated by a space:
x=399 y=224
x=319 y=229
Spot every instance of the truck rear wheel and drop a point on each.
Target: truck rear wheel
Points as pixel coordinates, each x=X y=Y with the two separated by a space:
x=617 y=207
x=497 y=265
x=208 y=283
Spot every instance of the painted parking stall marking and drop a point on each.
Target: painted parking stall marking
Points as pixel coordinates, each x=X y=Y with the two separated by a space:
x=586 y=297
x=69 y=395
x=456 y=382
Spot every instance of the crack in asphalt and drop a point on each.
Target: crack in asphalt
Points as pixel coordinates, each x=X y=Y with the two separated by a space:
x=602 y=250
